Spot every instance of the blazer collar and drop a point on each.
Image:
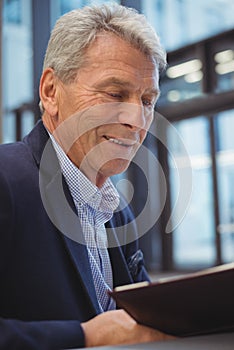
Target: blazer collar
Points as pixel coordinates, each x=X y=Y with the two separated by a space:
x=37 y=140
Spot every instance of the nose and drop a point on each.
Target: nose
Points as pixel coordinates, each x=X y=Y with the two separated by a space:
x=133 y=116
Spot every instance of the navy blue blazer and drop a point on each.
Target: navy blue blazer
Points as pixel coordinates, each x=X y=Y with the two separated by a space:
x=46 y=282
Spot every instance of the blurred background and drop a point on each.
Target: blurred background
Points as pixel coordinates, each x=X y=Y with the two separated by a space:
x=197 y=99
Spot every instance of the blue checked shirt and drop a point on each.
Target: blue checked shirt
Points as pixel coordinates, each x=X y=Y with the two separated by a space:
x=94 y=207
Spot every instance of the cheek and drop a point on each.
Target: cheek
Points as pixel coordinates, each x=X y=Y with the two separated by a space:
x=149 y=120
x=143 y=134
x=88 y=140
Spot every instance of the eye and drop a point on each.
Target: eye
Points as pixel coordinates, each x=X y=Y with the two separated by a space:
x=148 y=103
x=115 y=95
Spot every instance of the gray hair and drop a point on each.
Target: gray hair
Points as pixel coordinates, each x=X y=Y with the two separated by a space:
x=77 y=29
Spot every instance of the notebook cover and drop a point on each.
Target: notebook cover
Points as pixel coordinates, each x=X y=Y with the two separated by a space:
x=196 y=303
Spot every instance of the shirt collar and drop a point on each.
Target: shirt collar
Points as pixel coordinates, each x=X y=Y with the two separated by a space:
x=83 y=191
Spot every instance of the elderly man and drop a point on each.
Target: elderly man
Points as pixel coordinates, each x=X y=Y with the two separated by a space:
x=62 y=237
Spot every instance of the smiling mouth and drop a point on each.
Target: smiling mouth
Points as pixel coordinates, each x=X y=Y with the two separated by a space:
x=121 y=142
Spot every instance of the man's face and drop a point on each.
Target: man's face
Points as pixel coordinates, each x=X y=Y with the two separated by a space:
x=112 y=100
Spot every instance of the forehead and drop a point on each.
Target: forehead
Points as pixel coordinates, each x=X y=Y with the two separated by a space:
x=109 y=51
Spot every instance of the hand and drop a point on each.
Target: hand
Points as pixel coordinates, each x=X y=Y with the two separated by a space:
x=117 y=327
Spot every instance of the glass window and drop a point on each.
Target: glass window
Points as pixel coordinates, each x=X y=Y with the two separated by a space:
x=67 y=6
x=180 y=22
x=59 y=7
x=194 y=238
x=225 y=167
x=182 y=79
x=17 y=62
x=224 y=67
x=12 y=11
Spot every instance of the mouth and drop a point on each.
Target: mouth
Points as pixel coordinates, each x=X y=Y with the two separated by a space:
x=121 y=141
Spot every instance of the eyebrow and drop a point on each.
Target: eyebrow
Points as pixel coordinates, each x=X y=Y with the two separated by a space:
x=124 y=84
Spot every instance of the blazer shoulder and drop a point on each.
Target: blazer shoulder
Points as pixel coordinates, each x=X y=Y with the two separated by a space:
x=13 y=156
x=22 y=154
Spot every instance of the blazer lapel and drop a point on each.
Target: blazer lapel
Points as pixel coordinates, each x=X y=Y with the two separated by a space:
x=61 y=210
x=121 y=274
x=79 y=257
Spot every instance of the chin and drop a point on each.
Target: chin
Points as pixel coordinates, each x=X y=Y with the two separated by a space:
x=114 y=167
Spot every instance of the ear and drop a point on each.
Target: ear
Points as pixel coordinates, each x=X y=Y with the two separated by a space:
x=48 y=89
